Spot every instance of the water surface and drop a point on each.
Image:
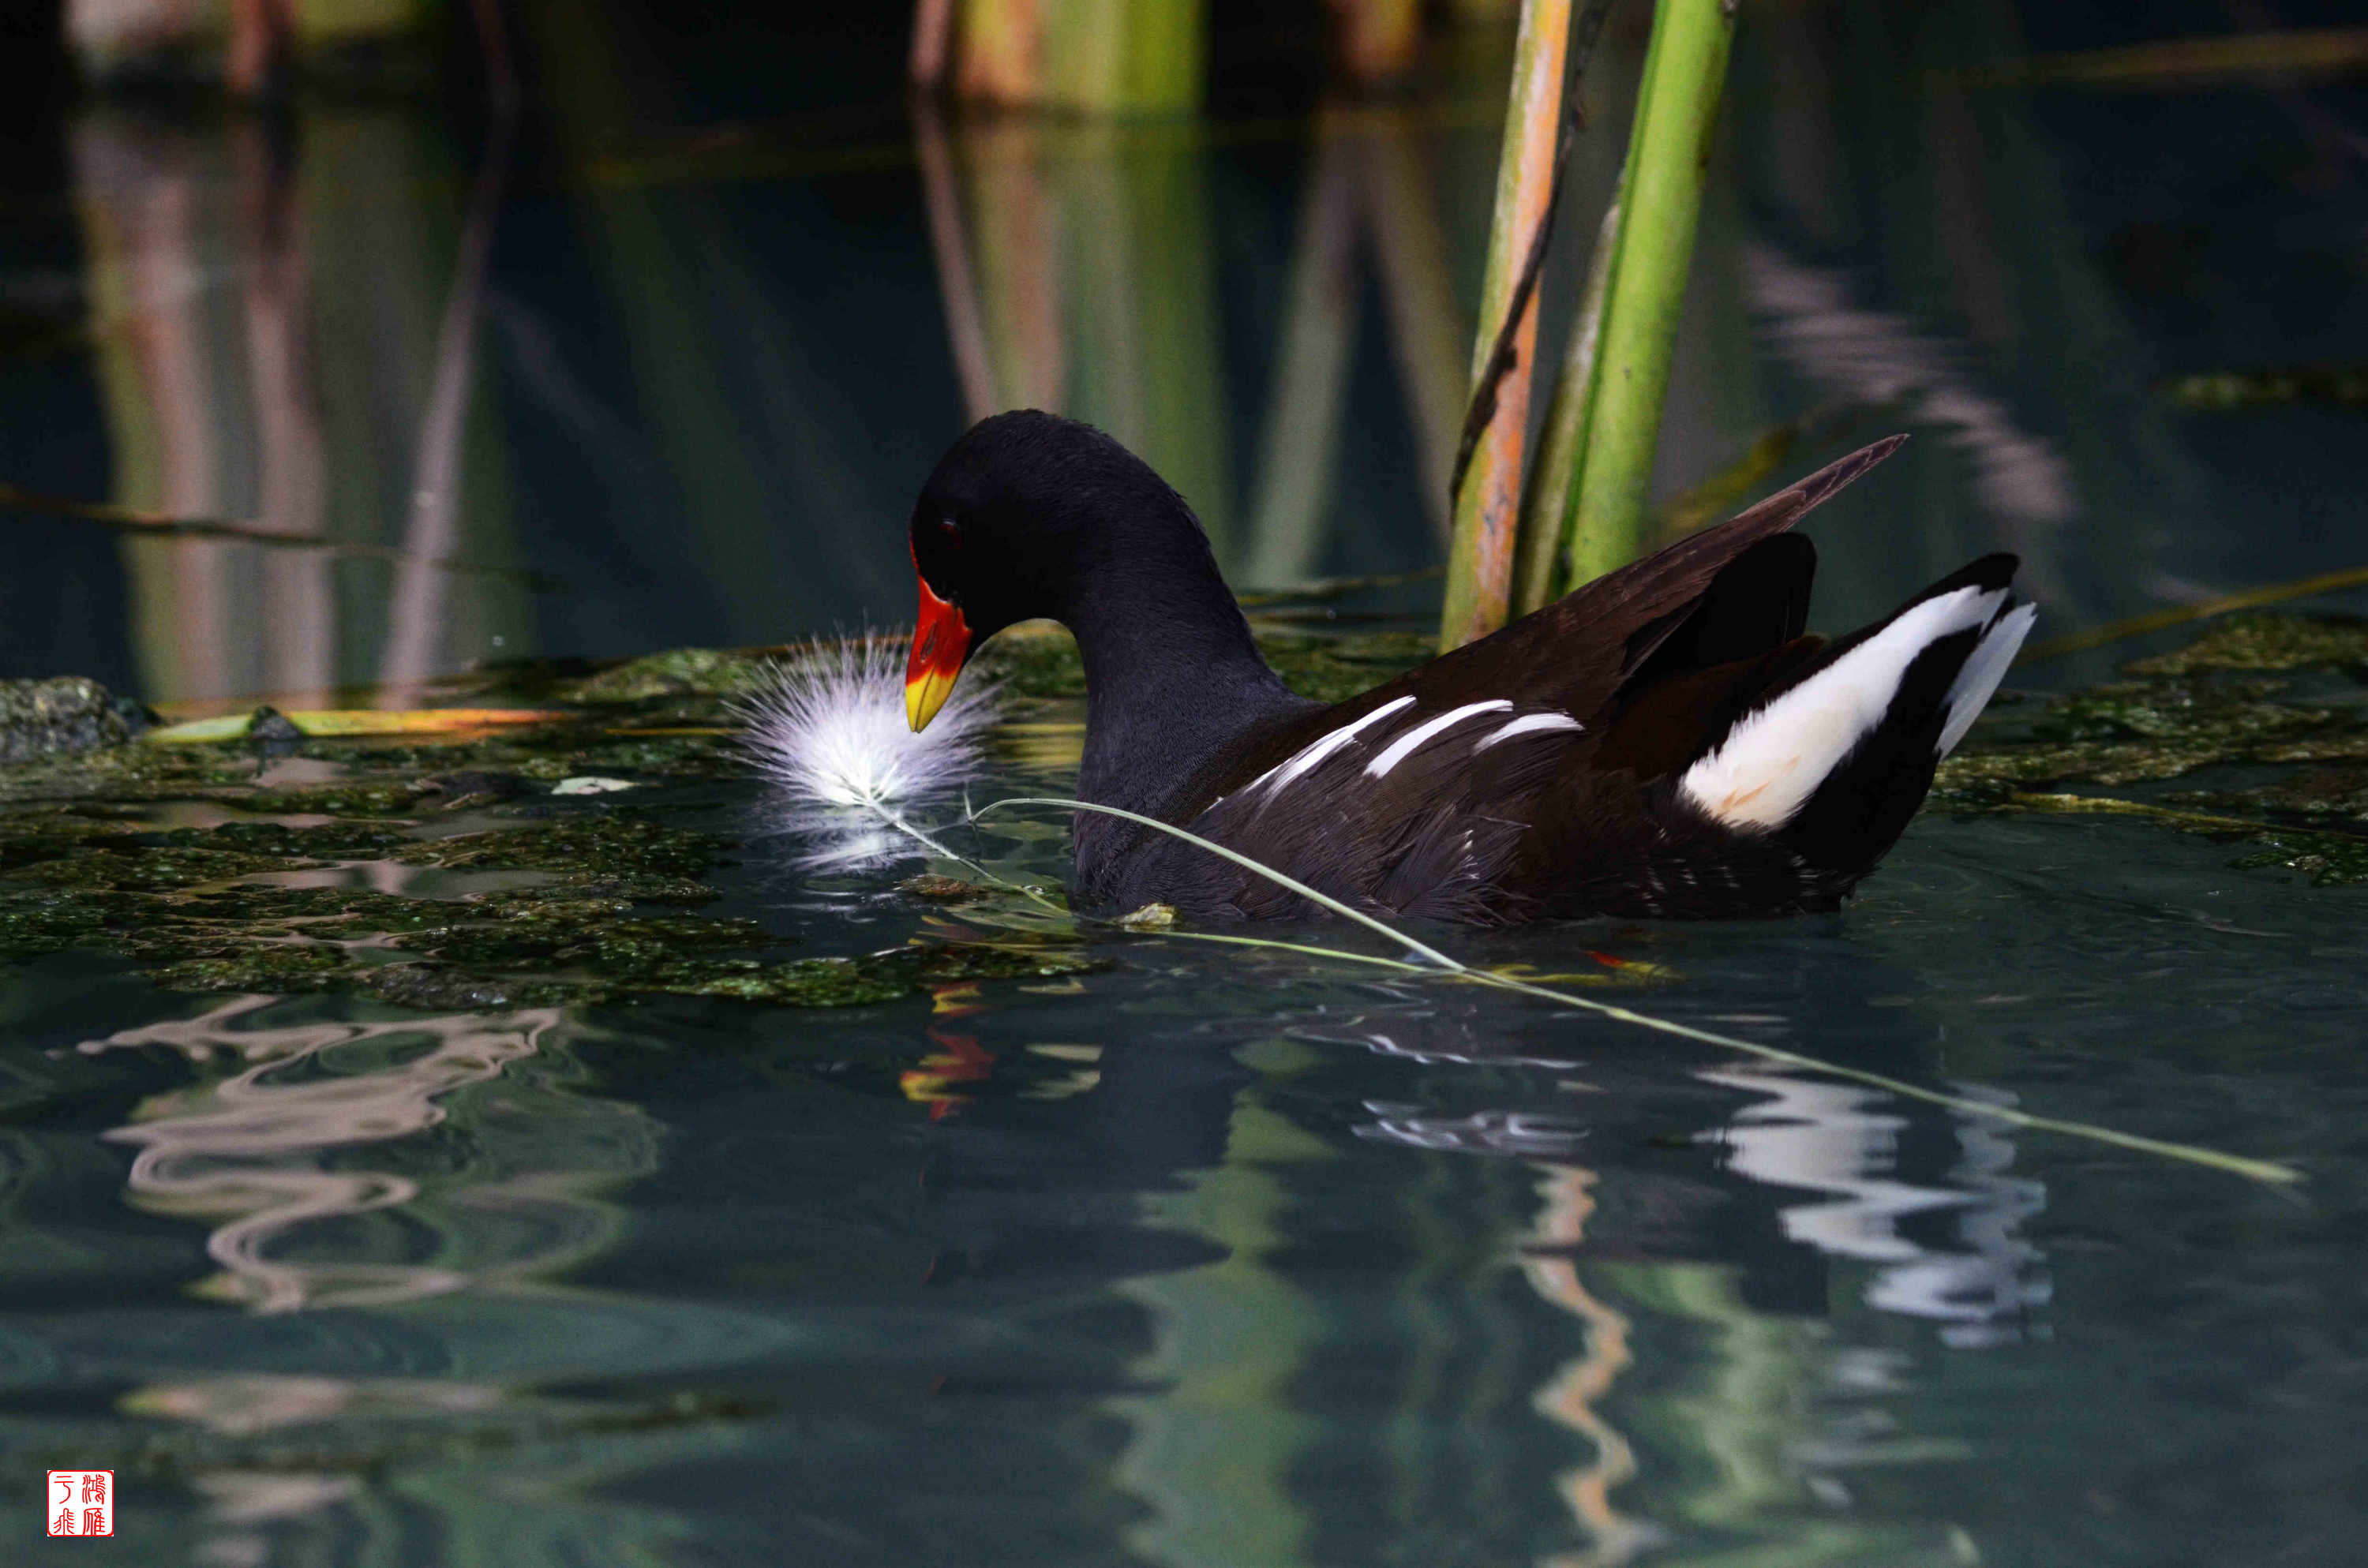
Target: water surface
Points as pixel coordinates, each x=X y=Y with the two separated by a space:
x=1213 y=1257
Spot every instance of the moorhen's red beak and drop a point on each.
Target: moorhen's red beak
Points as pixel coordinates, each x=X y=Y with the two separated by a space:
x=940 y=640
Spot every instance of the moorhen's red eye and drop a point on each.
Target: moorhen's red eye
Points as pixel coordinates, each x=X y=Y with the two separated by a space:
x=949 y=530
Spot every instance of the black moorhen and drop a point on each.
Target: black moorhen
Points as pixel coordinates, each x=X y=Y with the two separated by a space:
x=1663 y=742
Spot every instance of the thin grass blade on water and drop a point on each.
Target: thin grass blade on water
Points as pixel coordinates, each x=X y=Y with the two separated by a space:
x=2264 y=1171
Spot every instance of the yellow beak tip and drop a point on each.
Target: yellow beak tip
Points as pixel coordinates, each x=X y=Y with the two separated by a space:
x=923 y=697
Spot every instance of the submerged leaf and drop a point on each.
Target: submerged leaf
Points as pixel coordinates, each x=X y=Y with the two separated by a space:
x=333 y=722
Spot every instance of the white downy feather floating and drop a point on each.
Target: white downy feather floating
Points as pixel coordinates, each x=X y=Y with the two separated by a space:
x=830 y=735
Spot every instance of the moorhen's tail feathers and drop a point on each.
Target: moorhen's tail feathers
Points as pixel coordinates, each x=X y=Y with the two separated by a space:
x=1678 y=573
x=1835 y=755
x=1581 y=650
x=1756 y=602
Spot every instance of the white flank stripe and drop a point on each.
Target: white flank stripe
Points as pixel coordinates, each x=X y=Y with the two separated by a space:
x=1324 y=746
x=1405 y=745
x=1531 y=725
x=1971 y=691
x=1774 y=761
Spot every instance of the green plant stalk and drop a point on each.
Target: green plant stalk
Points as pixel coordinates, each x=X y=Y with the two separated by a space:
x=1538 y=573
x=2263 y=1171
x=1677 y=109
x=1143 y=57
x=1488 y=506
x=1165 y=60
x=1085 y=46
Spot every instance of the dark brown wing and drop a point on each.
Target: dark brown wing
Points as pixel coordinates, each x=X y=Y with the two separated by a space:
x=1574 y=654
x=1415 y=812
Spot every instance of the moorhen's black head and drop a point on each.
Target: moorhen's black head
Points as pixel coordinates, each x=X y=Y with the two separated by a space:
x=1024 y=509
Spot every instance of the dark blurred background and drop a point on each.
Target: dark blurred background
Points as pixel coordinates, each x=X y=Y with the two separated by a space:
x=661 y=359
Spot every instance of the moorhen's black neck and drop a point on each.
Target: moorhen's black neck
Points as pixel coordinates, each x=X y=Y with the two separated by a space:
x=1171 y=672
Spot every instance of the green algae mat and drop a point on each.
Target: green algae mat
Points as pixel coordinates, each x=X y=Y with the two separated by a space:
x=549 y=862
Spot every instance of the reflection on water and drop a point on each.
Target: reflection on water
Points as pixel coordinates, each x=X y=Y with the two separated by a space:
x=1569 y=1397
x=716 y=358
x=1710 y=1387
x=1185 y=1262
x=264 y=300
x=264 y=1156
x=1875 y=357
x=242 y=1407
x=1342 y=1272
x=1831 y=1138
x=1707 y=1395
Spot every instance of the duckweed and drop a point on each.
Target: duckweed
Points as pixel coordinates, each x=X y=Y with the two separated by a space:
x=354 y=800
x=604 y=909
x=1332 y=669
x=2211 y=704
x=2262 y=642
x=617 y=844
x=679 y=672
x=64 y=716
x=135 y=868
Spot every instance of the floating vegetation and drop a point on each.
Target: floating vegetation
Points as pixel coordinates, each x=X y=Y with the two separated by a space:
x=351 y=799
x=575 y=941
x=62 y=717
x=2225 y=699
x=679 y=672
x=2330 y=860
x=305 y=883
x=620 y=844
x=2344 y=385
x=934 y=889
x=601 y=903
x=1035 y=662
x=2268 y=643
x=1335 y=668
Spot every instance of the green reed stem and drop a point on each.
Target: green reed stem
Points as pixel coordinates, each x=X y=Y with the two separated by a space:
x=1669 y=152
x=1538 y=572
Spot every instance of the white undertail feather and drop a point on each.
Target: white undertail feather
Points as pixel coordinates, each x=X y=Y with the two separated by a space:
x=1771 y=761
x=829 y=733
x=1979 y=681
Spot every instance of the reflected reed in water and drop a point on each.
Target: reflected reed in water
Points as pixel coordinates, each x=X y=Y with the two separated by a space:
x=263 y=1156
